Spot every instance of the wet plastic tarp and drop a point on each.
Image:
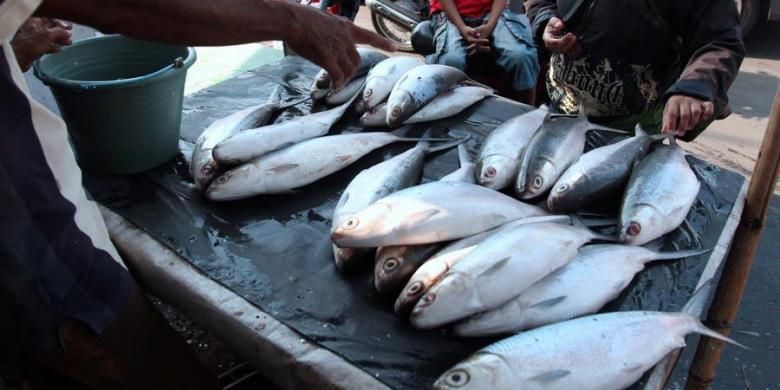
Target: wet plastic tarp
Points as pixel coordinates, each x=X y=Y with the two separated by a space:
x=275 y=251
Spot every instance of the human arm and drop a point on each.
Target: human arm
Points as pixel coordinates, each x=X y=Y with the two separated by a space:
x=713 y=45
x=39 y=36
x=326 y=40
x=486 y=29
x=539 y=13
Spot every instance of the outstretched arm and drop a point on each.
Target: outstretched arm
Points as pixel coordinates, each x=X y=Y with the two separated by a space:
x=324 y=39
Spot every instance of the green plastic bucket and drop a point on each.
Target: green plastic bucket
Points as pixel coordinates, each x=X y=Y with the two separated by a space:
x=121 y=99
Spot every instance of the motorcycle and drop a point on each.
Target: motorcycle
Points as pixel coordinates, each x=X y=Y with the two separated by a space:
x=396 y=19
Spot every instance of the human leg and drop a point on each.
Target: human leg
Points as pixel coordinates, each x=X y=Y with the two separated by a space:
x=450 y=46
x=516 y=53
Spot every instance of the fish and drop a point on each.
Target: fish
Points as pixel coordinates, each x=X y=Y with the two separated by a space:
x=430 y=212
x=600 y=351
x=555 y=147
x=501 y=151
x=395 y=265
x=418 y=87
x=466 y=172
x=445 y=105
x=599 y=172
x=376 y=182
x=595 y=277
x=501 y=267
x=204 y=168
x=252 y=143
x=382 y=77
x=661 y=190
x=342 y=95
x=437 y=266
x=321 y=86
x=286 y=169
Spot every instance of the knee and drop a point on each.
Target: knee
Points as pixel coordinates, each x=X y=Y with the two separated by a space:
x=453 y=59
x=522 y=64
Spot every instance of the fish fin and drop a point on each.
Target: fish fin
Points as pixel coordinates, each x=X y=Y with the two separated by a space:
x=639 y=131
x=420 y=216
x=445 y=146
x=293 y=103
x=578 y=220
x=633 y=368
x=476 y=84
x=319 y=94
x=495 y=267
x=549 y=302
x=283 y=168
x=344 y=199
x=463 y=155
x=701 y=329
x=603 y=237
x=681 y=254
x=698 y=300
x=550 y=376
x=343 y=108
x=593 y=126
x=276 y=96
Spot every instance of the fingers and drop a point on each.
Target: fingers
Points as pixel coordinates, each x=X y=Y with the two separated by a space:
x=556 y=24
x=684 y=121
x=708 y=110
x=331 y=65
x=671 y=113
x=59 y=36
x=348 y=65
x=361 y=35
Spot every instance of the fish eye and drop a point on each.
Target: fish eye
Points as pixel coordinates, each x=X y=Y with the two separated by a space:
x=538 y=182
x=351 y=223
x=367 y=93
x=396 y=111
x=427 y=300
x=634 y=228
x=457 y=378
x=207 y=169
x=562 y=187
x=490 y=172
x=223 y=179
x=390 y=264
x=415 y=288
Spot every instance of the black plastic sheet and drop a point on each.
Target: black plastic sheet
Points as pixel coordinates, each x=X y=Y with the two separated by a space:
x=275 y=251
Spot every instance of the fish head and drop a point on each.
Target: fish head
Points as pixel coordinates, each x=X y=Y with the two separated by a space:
x=344 y=257
x=204 y=169
x=390 y=264
x=444 y=302
x=539 y=178
x=414 y=289
x=483 y=370
x=641 y=225
x=362 y=229
x=230 y=185
x=400 y=107
x=568 y=193
x=496 y=171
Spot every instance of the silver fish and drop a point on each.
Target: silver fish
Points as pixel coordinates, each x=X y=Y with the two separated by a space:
x=352 y=88
x=431 y=212
x=396 y=264
x=467 y=168
x=321 y=86
x=599 y=172
x=556 y=146
x=418 y=87
x=500 y=268
x=253 y=143
x=660 y=192
x=382 y=77
x=303 y=163
x=445 y=105
x=596 y=276
x=602 y=351
x=375 y=183
x=203 y=166
x=501 y=151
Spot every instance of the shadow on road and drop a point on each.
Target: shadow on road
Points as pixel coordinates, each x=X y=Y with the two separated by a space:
x=754 y=99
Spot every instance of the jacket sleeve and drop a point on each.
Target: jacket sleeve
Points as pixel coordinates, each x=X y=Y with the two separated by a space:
x=712 y=44
x=539 y=12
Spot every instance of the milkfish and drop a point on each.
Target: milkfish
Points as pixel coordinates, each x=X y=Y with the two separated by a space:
x=286 y=169
x=203 y=167
x=382 y=77
x=467 y=168
x=431 y=212
x=596 y=276
x=599 y=172
x=253 y=143
x=445 y=105
x=418 y=87
x=374 y=183
x=557 y=145
x=498 y=269
x=660 y=192
x=431 y=271
x=321 y=86
x=345 y=93
x=501 y=151
x=602 y=351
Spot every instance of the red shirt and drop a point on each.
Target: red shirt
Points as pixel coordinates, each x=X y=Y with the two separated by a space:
x=472 y=8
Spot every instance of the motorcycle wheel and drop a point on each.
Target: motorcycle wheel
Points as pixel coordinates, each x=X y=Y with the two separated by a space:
x=392 y=31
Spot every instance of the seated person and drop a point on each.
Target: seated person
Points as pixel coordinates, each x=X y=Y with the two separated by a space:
x=465 y=27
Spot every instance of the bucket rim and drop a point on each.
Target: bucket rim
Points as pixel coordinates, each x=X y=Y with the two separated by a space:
x=47 y=79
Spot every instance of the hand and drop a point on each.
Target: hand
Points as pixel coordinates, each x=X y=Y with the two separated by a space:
x=484 y=32
x=556 y=41
x=473 y=39
x=329 y=41
x=39 y=36
x=683 y=113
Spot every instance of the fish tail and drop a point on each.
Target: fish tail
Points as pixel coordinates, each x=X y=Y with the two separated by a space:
x=594 y=220
x=463 y=155
x=679 y=254
x=698 y=301
x=639 y=130
x=701 y=329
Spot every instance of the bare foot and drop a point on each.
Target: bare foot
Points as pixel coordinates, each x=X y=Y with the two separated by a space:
x=39 y=36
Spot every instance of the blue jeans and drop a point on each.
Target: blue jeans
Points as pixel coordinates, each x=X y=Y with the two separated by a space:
x=511 y=40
